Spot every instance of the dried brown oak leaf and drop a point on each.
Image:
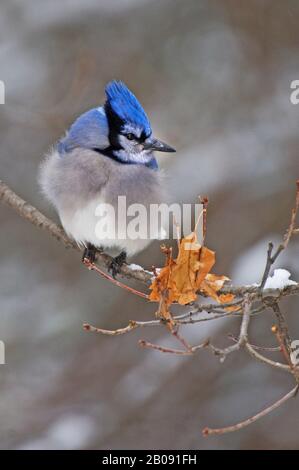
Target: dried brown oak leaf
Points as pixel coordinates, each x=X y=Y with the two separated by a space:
x=183 y=277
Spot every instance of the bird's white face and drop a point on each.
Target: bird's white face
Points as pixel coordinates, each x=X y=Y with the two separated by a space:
x=133 y=146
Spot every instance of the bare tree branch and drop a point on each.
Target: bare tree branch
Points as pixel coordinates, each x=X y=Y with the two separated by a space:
x=35 y=217
x=261 y=414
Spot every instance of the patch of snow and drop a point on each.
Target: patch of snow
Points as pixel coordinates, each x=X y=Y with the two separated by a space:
x=136 y=267
x=279 y=280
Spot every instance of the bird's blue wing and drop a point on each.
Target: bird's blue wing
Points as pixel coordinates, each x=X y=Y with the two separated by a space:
x=89 y=131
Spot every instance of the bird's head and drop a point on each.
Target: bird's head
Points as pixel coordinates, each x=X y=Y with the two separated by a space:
x=130 y=133
x=120 y=129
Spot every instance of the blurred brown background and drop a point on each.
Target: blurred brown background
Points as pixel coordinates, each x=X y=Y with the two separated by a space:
x=214 y=77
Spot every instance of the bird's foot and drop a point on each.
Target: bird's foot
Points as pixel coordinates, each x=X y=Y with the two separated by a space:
x=117 y=263
x=89 y=254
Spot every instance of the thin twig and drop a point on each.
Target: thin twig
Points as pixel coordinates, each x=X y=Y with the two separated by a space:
x=243 y=336
x=204 y=201
x=269 y=263
x=271 y=258
x=239 y=291
x=236 y=427
x=266 y=360
x=180 y=352
x=94 y=267
x=286 y=349
x=257 y=348
x=120 y=331
x=283 y=331
x=187 y=319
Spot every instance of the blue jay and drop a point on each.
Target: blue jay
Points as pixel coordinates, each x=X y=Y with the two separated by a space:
x=107 y=152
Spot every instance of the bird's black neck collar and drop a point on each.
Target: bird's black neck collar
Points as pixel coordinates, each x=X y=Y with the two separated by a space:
x=108 y=152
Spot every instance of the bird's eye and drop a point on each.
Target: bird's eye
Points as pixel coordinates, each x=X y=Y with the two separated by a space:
x=130 y=136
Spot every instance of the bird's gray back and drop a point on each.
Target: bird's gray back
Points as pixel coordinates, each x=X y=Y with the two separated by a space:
x=78 y=176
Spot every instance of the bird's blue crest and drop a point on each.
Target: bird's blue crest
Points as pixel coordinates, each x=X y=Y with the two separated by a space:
x=126 y=106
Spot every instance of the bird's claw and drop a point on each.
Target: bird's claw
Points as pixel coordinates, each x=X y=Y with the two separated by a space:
x=89 y=254
x=116 y=264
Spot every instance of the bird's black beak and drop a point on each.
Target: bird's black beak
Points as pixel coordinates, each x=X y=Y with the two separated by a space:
x=158 y=146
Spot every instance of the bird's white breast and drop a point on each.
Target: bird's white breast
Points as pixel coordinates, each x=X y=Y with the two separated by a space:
x=84 y=224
